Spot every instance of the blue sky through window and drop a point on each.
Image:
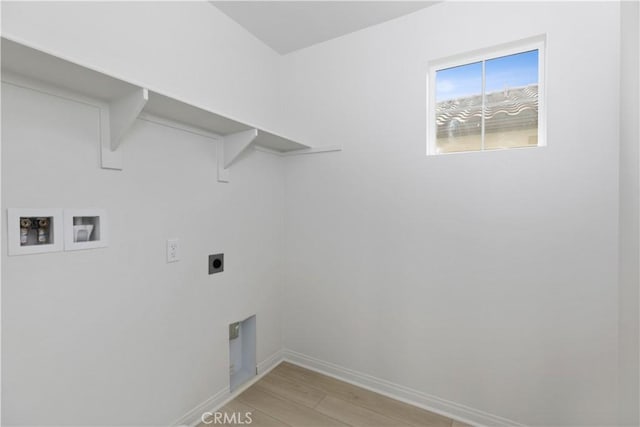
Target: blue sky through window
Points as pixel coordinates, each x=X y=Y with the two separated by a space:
x=516 y=70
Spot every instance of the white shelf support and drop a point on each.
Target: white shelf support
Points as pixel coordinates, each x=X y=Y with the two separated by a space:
x=116 y=118
x=123 y=113
x=236 y=143
x=230 y=148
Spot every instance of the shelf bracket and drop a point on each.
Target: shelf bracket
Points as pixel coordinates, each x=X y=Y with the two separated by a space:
x=230 y=148
x=236 y=143
x=115 y=119
x=123 y=113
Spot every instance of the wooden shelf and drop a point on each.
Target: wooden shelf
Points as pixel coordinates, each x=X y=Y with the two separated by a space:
x=125 y=101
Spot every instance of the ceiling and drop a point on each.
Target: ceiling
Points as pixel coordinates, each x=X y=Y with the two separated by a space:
x=287 y=26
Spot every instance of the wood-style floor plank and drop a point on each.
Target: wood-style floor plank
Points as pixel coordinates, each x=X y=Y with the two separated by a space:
x=354 y=415
x=397 y=410
x=292 y=396
x=291 y=390
x=287 y=411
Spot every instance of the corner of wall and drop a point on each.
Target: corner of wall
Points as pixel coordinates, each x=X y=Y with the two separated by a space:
x=629 y=220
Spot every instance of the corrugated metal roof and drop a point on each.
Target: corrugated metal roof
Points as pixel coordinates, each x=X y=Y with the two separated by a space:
x=508 y=109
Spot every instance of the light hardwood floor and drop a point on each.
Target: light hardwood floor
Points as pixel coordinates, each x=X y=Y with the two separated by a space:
x=291 y=396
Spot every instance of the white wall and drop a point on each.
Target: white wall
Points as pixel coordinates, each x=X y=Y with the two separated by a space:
x=629 y=219
x=488 y=279
x=117 y=336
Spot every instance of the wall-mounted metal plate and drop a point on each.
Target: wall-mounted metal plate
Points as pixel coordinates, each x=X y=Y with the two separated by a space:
x=234 y=330
x=216 y=263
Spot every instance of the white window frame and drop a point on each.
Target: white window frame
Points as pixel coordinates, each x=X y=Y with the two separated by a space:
x=533 y=43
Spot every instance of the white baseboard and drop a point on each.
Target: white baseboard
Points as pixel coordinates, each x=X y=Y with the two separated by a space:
x=193 y=417
x=270 y=362
x=221 y=398
x=431 y=403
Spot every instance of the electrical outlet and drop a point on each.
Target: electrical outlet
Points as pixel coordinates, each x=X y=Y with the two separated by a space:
x=216 y=263
x=172 y=250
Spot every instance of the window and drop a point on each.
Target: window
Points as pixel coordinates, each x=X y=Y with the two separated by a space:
x=488 y=101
